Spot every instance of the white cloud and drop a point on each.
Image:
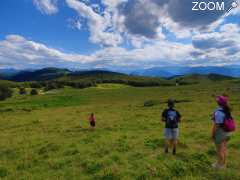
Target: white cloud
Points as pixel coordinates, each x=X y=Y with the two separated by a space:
x=75 y=24
x=19 y=52
x=46 y=6
x=130 y=22
x=219 y=47
x=98 y=24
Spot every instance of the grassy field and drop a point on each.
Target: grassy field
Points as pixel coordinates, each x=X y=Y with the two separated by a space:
x=48 y=136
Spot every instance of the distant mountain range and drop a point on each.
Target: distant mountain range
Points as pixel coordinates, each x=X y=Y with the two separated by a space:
x=168 y=72
x=8 y=72
x=50 y=73
x=164 y=72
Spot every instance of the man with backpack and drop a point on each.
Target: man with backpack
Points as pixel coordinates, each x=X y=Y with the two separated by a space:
x=171 y=117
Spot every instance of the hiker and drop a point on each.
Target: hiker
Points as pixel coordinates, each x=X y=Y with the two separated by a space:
x=92 y=120
x=223 y=125
x=171 y=117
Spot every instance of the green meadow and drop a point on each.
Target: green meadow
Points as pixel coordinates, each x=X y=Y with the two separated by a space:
x=47 y=137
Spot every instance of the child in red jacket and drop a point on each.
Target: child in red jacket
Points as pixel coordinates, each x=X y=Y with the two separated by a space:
x=92 y=120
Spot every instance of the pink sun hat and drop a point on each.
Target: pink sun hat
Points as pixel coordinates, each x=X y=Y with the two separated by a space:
x=222 y=100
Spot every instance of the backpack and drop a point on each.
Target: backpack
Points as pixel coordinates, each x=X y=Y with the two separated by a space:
x=229 y=124
x=172 y=119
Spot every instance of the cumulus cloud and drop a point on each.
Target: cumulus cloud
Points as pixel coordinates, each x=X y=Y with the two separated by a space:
x=46 y=6
x=227 y=37
x=21 y=52
x=181 y=12
x=113 y=21
x=222 y=46
x=17 y=50
x=139 y=19
x=153 y=30
x=98 y=24
x=143 y=17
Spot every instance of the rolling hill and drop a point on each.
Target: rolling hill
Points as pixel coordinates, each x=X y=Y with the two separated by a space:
x=39 y=75
x=82 y=79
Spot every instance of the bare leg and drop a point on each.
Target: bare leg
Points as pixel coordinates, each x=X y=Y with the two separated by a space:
x=175 y=142
x=225 y=153
x=220 y=153
x=166 y=145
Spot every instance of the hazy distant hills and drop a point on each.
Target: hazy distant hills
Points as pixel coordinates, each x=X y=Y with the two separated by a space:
x=51 y=73
x=56 y=73
x=167 y=72
x=39 y=75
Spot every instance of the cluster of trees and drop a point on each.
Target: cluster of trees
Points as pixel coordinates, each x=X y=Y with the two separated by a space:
x=53 y=85
x=92 y=78
x=120 y=79
x=79 y=84
x=5 y=92
x=34 y=92
x=23 y=91
x=81 y=81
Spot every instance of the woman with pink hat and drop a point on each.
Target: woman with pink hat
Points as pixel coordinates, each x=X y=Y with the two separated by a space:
x=219 y=135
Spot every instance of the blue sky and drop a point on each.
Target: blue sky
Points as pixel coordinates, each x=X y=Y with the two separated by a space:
x=116 y=34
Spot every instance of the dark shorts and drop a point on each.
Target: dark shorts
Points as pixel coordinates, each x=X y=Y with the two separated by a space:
x=221 y=136
x=93 y=123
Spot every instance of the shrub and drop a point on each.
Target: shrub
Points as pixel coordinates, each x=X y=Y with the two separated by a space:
x=149 y=103
x=35 y=85
x=22 y=91
x=5 y=93
x=3 y=172
x=53 y=85
x=34 y=92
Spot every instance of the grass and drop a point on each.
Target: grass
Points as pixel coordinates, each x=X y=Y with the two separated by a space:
x=48 y=136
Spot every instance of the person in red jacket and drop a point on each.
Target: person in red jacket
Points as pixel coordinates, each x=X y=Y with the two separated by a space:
x=92 y=120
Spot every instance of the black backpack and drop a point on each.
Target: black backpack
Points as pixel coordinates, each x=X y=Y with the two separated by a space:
x=172 y=119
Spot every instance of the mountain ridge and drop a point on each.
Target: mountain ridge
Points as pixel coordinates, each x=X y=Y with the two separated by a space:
x=51 y=73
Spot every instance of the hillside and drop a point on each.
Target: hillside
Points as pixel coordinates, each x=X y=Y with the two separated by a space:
x=48 y=136
x=84 y=79
x=7 y=83
x=39 y=75
x=197 y=78
x=112 y=77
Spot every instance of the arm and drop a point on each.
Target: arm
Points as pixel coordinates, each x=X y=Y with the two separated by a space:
x=163 y=119
x=164 y=115
x=213 y=129
x=179 y=116
x=180 y=119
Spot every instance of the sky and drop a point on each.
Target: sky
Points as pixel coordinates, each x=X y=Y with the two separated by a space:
x=122 y=35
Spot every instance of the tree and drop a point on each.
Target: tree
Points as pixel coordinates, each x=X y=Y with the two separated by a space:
x=5 y=92
x=35 y=85
x=34 y=92
x=22 y=91
x=53 y=85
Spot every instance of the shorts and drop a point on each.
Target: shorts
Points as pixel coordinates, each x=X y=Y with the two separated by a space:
x=93 y=123
x=171 y=134
x=221 y=136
